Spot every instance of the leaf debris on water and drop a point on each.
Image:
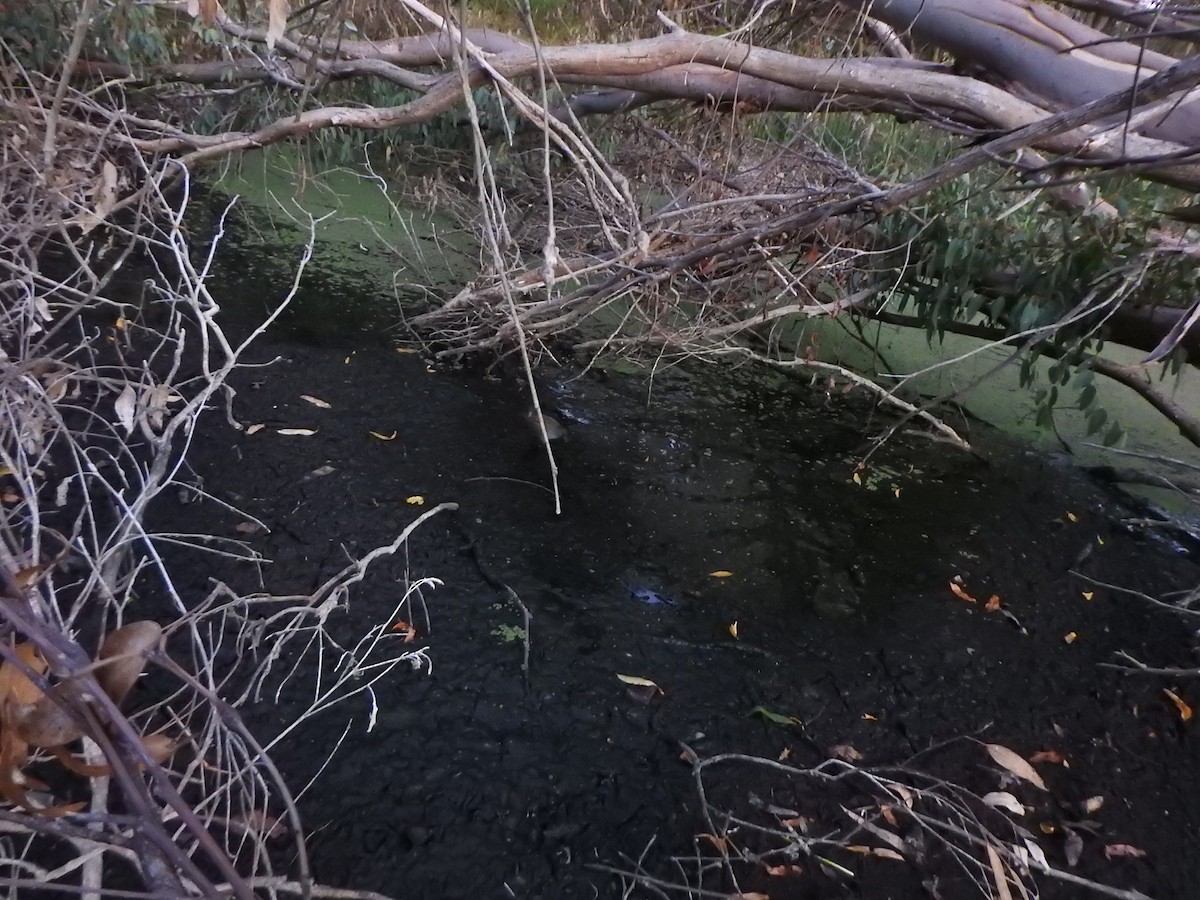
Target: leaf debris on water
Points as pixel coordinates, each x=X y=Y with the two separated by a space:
x=316 y=401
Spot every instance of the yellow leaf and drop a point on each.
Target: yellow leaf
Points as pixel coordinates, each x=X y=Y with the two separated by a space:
x=316 y=401
x=415 y=500
x=299 y=432
x=1072 y=517
x=720 y=573
x=1070 y=637
x=897 y=493
x=384 y=437
x=1088 y=595
x=1185 y=711
x=857 y=478
x=733 y=629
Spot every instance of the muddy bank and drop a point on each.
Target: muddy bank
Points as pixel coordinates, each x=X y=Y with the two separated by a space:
x=480 y=780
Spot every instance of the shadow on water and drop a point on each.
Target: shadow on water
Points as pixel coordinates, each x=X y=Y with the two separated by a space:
x=479 y=782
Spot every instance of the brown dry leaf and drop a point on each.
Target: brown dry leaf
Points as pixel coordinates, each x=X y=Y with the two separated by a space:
x=14 y=685
x=753 y=895
x=721 y=573
x=961 y=594
x=1015 y=764
x=409 y=631
x=316 y=401
x=885 y=853
x=10 y=496
x=993 y=603
x=638 y=681
x=123 y=654
x=1048 y=756
x=797 y=823
x=1185 y=711
x=720 y=843
x=247 y=528
x=1126 y=851
x=845 y=752
x=297 y=432
x=688 y=755
x=784 y=871
x=29 y=575
x=888 y=815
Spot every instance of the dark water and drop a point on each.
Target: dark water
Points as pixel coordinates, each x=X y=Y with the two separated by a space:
x=481 y=780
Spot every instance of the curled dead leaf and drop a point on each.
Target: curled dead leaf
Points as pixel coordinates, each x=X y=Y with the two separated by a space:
x=1185 y=711
x=961 y=594
x=122 y=656
x=1123 y=851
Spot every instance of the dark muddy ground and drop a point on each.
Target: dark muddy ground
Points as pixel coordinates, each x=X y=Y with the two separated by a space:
x=479 y=783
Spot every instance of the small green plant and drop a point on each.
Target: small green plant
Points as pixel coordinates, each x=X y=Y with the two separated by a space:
x=509 y=634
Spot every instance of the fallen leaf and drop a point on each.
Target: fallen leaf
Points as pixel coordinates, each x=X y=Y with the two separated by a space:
x=125 y=406
x=10 y=496
x=688 y=755
x=1088 y=595
x=961 y=594
x=255 y=428
x=796 y=823
x=1070 y=637
x=993 y=603
x=321 y=471
x=1126 y=851
x=1092 y=805
x=771 y=716
x=897 y=492
x=1015 y=764
x=1004 y=800
x=316 y=401
x=785 y=753
x=733 y=629
x=845 y=752
x=720 y=573
x=407 y=350
x=999 y=873
x=784 y=871
x=720 y=843
x=857 y=478
x=888 y=815
x=1073 y=848
x=638 y=681
x=882 y=852
x=867 y=717
x=247 y=528
x=1072 y=517
x=753 y=895
x=409 y=631
x=297 y=432
x=383 y=437
x=415 y=500
x=1050 y=756
x=1185 y=711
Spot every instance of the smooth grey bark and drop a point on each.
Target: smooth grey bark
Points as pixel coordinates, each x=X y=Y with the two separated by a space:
x=1044 y=52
